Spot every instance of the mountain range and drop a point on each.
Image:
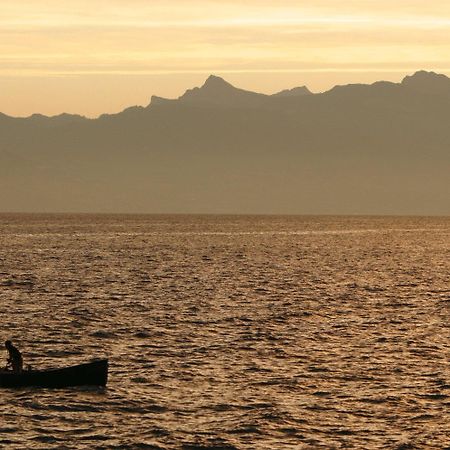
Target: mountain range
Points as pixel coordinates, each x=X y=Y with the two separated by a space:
x=382 y=148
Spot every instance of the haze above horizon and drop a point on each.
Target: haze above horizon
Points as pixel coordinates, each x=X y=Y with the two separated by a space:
x=97 y=56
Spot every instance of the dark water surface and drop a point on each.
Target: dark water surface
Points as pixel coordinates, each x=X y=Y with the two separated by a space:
x=230 y=332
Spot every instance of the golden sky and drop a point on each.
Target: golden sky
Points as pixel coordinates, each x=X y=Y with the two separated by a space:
x=94 y=56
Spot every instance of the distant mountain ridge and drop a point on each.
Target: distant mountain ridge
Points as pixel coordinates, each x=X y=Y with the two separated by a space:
x=217 y=91
x=381 y=148
x=295 y=92
x=428 y=82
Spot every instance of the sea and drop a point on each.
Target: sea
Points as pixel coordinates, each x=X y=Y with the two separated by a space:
x=229 y=332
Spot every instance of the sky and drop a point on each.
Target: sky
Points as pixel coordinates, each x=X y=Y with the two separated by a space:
x=95 y=56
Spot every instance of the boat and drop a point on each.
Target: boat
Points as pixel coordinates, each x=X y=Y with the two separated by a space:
x=94 y=373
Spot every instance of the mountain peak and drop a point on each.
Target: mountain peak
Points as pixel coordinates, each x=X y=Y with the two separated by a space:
x=427 y=81
x=425 y=75
x=155 y=100
x=217 y=91
x=294 y=92
x=215 y=82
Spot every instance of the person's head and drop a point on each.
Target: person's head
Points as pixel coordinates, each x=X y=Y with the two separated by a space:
x=8 y=344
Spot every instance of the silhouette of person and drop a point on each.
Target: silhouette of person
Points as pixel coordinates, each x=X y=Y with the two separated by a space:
x=15 y=359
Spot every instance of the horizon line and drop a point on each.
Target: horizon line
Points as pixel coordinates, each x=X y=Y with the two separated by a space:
x=234 y=214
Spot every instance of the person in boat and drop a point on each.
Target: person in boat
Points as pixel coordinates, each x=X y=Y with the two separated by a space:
x=15 y=359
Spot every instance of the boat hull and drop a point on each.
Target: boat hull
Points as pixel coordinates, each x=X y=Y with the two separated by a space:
x=94 y=373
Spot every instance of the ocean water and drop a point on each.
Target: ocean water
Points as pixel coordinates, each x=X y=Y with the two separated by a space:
x=230 y=332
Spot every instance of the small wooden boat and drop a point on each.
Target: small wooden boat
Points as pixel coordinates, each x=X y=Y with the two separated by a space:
x=94 y=373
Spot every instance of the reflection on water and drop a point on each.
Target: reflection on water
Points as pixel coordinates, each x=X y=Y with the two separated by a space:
x=230 y=332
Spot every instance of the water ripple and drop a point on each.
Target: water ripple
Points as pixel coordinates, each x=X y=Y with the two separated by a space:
x=228 y=332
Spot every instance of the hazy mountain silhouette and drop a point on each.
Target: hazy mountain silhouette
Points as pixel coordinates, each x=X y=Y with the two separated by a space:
x=295 y=92
x=216 y=91
x=428 y=82
x=368 y=149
